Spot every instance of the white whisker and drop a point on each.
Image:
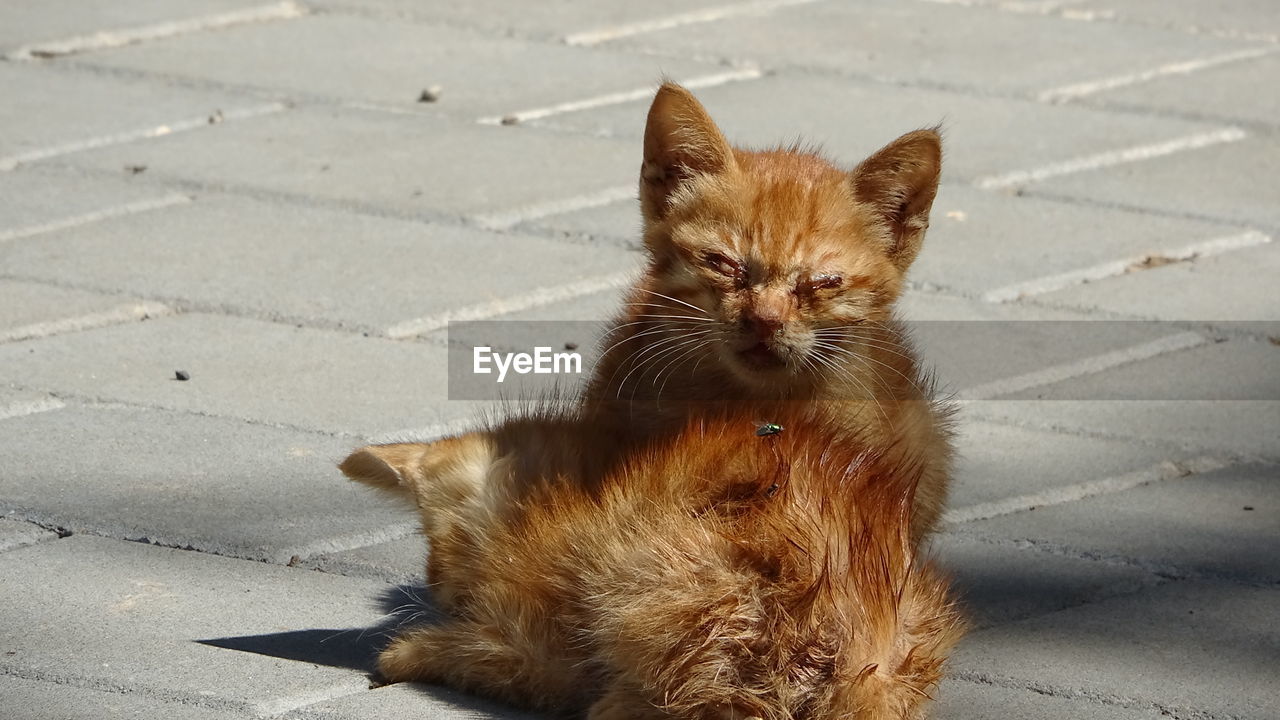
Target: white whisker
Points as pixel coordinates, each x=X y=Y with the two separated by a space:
x=865 y=359
x=683 y=356
x=846 y=372
x=654 y=349
x=662 y=327
x=682 y=302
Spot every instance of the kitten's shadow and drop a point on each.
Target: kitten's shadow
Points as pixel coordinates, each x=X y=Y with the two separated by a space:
x=353 y=648
x=356 y=649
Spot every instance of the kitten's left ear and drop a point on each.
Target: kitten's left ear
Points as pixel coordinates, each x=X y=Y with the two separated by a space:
x=681 y=141
x=899 y=183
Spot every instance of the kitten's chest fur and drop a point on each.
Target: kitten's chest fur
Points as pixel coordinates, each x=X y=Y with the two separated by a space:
x=883 y=404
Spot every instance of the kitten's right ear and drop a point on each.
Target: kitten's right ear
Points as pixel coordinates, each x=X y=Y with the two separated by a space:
x=899 y=183
x=680 y=142
x=386 y=467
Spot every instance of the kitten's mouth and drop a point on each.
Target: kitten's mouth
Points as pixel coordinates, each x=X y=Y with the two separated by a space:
x=761 y=357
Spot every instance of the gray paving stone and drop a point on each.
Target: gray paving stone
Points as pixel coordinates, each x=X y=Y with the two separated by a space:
x=581 y=321
x=926 y=306
x=35 y=700
x=1229 y=92
x=15 y=534
x=936 y=44
x=36 y=196
x=1198 y=524
x=850 y=119
x=960 y=700
x=184 y=626
x=1242 y=17
x=395 y=702
x=1002 y=461
x=1242 y=369
x=315 y=379
x=981 y=242
x=24 y=22
x=1001 y=583
x=343 y=269
x=12 y=396
x=400 y=561
x=1218 y=182
x=181 y=480
x=1234 y=287
x=972 y=343
x=45 y=107
x=596 y=307
x=1192 y=649
x=616 y=222
x=1217 y=427
x=330 y=57
x=308 y=153
x=542 y=20
x=16 y=402
x=26 y=304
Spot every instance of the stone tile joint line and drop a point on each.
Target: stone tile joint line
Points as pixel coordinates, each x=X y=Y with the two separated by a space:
x=723 y=12
x=107 y=39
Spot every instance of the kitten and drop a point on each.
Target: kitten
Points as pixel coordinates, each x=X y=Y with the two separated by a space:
x=715 y=574
x=771 y=281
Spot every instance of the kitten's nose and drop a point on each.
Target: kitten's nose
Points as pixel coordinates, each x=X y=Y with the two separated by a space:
x=764 y=326
x=767 y=314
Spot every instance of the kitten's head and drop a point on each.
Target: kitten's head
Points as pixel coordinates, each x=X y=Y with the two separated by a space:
x=783 y=252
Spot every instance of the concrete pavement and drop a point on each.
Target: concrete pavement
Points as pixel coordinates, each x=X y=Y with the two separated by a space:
x=253 y=193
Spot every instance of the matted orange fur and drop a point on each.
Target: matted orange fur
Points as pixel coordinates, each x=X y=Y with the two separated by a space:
x=771 y=281
x=714 y=575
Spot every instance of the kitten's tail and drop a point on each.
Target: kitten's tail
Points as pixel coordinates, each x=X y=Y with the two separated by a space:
x=437 y=477
x=385 y=467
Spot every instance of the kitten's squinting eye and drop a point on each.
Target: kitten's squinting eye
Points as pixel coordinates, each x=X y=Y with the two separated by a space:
x=724 y=265
x=824 y=282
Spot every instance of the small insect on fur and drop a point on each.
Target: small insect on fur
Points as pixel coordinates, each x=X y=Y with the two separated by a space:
x=765 y=429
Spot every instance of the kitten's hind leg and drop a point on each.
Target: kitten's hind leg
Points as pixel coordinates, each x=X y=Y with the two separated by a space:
x=480 y=658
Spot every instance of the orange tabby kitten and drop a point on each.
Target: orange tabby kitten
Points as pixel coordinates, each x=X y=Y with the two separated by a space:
x=714 y=575
x=771 y=281
x=645 y=554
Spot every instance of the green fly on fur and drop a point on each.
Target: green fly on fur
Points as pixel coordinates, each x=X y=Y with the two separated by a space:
x=765 y=429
